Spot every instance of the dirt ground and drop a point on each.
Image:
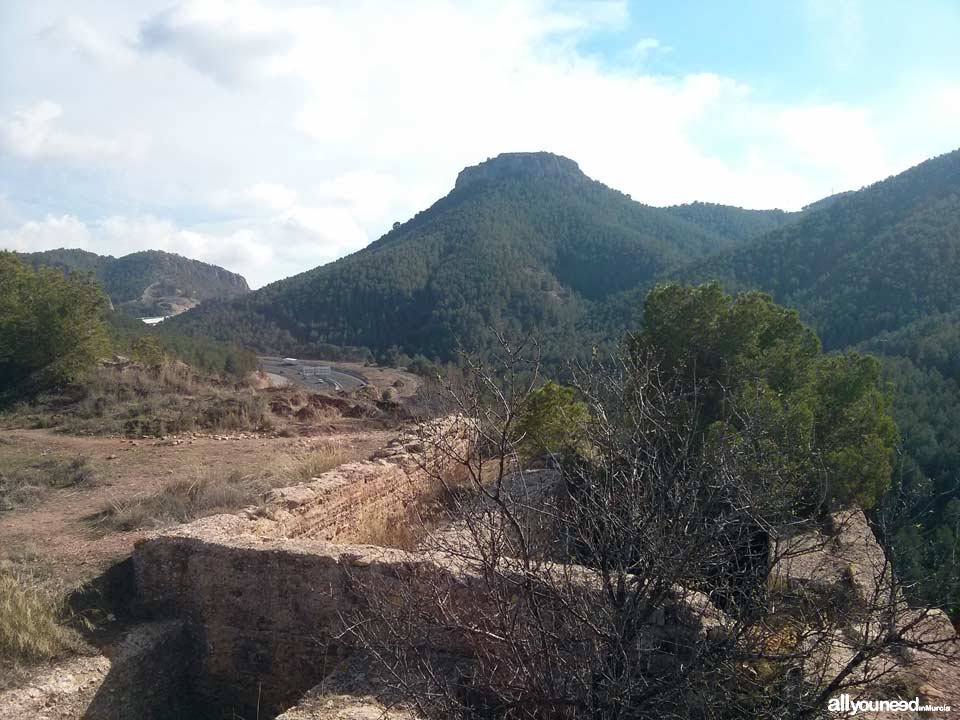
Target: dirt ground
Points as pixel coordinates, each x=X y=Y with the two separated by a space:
x=57 y=531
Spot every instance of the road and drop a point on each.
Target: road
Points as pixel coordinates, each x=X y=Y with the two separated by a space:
x=334 y=380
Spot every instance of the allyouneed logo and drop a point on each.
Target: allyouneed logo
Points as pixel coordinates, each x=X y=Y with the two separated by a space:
x=844 y=704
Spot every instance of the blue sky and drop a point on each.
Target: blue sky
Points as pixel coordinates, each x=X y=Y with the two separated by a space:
x=270 y=137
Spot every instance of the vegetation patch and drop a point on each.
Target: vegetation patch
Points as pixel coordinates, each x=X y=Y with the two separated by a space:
x=23 y=484
x=199 y=494
x=208 y=491
x=133 y=399
x=407 y=525
x=34 y=619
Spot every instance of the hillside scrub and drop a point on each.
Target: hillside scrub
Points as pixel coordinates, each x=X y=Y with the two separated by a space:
x=135 y=400
x=158 y=344
x=132 y=281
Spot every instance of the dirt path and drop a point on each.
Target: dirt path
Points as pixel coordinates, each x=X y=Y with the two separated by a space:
x=57 y=529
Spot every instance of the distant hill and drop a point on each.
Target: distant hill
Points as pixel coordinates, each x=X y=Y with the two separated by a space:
x=732 y=222
x=863 y=263
x=151 y=282
x=524 y=242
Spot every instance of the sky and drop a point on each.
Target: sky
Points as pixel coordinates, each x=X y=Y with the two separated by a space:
x=270 y=137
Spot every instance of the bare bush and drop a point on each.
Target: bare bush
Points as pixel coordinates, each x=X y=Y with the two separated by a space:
x=667 y=571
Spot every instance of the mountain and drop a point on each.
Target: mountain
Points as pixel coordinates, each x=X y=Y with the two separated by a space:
x=151 y=282
x=732 y=222
x=863 y=263
x=524 y=241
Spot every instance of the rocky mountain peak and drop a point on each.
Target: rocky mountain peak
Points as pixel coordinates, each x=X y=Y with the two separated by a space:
x=520 y=165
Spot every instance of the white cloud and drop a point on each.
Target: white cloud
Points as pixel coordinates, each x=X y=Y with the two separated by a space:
x=645 y=45
x=230 y=40
x=47 y=234
x=88 y=42
x=841 y=138
x=32 y=132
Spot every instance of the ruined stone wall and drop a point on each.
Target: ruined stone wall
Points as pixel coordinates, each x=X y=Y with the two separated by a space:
x=266 y=617
x=264 y=595
x=334 y=503
x=267 y=600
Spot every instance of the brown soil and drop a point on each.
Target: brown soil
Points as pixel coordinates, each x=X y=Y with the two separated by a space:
x=57 y=530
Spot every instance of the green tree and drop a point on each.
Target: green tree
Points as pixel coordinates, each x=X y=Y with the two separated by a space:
x=824 y=415
x=51 y=326
x=147 y=350
x=552 y=421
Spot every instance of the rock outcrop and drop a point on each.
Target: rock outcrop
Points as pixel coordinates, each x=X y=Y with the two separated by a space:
x=523 y=165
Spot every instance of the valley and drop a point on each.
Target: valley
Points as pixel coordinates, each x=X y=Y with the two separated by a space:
x=500 y=360
x=286 y=487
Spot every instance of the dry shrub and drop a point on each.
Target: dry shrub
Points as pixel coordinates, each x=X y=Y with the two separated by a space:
x=200 y=493
x=33 y=614
x=386 y=528
x=208 y=491
x=139 y=400
x=419 y=513
x=25 y=485
x=302 y=467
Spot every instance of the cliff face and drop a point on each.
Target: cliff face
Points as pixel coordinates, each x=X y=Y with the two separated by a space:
x=521 y=165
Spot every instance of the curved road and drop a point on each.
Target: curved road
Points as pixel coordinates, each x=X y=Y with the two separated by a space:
x=334 y=380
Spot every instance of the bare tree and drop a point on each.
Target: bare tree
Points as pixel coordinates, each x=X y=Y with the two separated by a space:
x=666 y=570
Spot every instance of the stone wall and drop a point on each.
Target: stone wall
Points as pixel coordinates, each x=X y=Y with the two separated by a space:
x=266 y=616
x=264 y=595
x=267 y=599
x=333 y=504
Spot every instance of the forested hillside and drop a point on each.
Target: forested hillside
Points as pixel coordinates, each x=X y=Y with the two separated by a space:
x=863 y=263
x=150 y=282
x=878 y=269
x=525 y=242
x=732 y=222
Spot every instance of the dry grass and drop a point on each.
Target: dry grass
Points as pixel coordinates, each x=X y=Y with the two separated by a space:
x=384 y=527
x=23 y=484
x=407 y=524
x=205 y=491
x=304 y=466
x=135 y=400
x=33 y=616
x=199 y=493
